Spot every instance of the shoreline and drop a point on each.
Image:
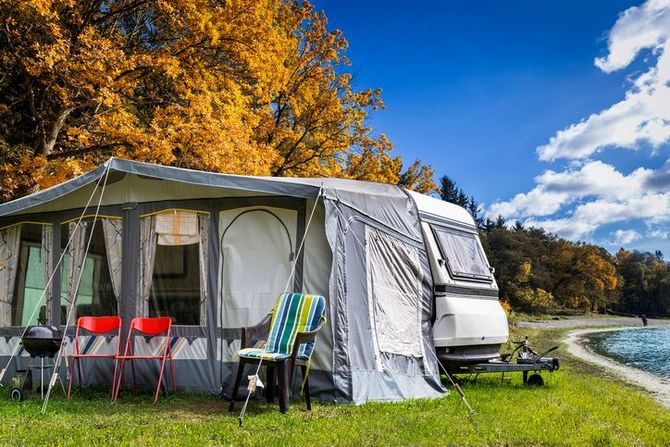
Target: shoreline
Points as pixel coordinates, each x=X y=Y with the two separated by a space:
x=658 y=387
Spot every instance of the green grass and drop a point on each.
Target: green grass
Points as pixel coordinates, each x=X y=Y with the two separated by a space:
x=576 y=407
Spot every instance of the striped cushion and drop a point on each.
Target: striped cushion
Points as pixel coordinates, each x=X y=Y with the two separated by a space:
x=293 y=313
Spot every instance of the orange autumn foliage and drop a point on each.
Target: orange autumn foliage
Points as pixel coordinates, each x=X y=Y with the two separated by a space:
x=239 y=86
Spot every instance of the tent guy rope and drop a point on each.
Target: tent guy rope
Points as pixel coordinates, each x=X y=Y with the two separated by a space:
x=54 y=374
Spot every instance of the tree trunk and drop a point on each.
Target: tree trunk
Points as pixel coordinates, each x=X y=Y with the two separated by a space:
x=51 y=131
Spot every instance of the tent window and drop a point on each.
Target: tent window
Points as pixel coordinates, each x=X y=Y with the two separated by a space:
x=95 y=291
x=394 y=294
x=176 y=284
x=463 y=254
x=173 y=272
x=31 y=286
x=29 y=281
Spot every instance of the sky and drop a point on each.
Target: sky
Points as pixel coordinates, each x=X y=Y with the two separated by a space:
x=555 y=113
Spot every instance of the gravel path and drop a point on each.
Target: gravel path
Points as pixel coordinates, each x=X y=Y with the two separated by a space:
x=569 y=322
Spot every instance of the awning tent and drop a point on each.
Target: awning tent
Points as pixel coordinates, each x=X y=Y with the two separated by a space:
x=213 y=251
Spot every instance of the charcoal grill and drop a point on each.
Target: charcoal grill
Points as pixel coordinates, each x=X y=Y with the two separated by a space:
x=40 y=342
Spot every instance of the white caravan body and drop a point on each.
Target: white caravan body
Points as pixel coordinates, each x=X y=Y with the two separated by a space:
x=469 y=322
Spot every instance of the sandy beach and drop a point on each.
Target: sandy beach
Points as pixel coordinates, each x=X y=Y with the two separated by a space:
x=657 y=387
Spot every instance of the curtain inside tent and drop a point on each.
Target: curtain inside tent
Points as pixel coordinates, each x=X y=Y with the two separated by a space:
x=147 y=255
x=76 y=252
x=203 y=241
x=31 y=265
x=47 y=266
x=113 y=234
x=10 y=238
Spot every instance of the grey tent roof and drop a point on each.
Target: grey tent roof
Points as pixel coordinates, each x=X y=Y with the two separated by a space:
x=295 y=187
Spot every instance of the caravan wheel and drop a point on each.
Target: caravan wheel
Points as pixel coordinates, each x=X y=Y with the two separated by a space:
x=535 y=380
x=17 y=394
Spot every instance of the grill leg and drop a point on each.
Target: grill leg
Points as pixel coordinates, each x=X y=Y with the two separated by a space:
x=42 y=377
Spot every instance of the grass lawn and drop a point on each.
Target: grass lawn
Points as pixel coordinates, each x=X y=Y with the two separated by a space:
x=577 y=406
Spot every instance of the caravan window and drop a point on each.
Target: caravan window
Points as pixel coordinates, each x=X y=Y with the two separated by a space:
x=463 y=254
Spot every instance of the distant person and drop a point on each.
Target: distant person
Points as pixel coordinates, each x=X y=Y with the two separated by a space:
x=643 y=317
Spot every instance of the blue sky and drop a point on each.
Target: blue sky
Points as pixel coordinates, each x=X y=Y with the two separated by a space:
x=475 y=88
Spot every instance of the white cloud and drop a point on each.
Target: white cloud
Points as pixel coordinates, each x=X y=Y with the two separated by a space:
x=637 y=28
x=556 y=189
x=588 y=217
x=643 y=115
x=657 y=233
x=625 y=237
x=589 y=194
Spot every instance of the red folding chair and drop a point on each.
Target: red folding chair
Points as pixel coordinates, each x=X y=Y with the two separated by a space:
x=94 y=326
x=152 y=327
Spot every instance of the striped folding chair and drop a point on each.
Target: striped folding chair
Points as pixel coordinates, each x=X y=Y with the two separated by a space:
x=290 y=330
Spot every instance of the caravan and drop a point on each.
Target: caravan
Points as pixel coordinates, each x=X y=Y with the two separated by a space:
x=404 y=274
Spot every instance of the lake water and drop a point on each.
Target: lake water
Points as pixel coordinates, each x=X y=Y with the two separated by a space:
x=646 y=348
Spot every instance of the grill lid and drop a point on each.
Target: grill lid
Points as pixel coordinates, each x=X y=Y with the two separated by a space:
x=44 y=332
x=42 y=341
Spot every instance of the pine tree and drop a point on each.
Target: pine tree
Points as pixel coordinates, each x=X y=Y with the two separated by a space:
x=489 y=225
x=475 y=211
x=448 y=190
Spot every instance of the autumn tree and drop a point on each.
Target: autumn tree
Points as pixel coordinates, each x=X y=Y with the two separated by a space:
x=646 y=283
x=586 y=276
x=248 y=87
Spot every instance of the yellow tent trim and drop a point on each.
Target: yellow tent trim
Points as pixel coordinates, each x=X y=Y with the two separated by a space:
x=26 y=222
x=104 y=216
x=174 y=209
